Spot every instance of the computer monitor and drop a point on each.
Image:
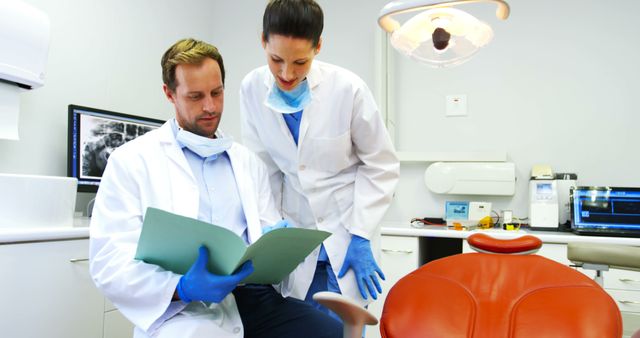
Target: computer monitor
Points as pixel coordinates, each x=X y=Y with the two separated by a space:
x=93 y=135
x=607 y=211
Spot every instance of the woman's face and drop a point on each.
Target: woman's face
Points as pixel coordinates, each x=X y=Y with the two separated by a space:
x=289 y=59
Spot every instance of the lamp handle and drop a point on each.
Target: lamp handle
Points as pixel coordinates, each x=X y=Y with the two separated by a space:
x=397 y=7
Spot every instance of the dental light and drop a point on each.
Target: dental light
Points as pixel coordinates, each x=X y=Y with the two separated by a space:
x=440 y=36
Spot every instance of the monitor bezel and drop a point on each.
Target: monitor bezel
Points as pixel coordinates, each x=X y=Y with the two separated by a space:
x=72 y=108
x=572 y=190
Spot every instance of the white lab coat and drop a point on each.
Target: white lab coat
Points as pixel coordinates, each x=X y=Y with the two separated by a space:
x=341 y=176
x=152 y=171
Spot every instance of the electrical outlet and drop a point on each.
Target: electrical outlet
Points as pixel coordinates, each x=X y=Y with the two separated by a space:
x=456 y=105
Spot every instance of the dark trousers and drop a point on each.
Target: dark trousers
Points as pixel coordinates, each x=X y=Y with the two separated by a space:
x=265 y=313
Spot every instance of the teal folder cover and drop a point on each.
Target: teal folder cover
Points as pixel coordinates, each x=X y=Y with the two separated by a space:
x=172 y=241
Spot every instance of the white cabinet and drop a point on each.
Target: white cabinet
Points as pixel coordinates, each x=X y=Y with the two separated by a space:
x=399 y=256
x=47 y=291
x=624 y=287
x=115 y=324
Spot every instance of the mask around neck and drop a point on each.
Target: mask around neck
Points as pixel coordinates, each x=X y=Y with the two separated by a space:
x=289 y=102
x=203 y=146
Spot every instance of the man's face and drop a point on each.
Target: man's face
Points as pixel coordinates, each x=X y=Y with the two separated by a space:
x=199 y=97
x=289 y=59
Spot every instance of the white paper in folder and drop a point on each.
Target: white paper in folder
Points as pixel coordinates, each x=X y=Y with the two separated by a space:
x=9 y=110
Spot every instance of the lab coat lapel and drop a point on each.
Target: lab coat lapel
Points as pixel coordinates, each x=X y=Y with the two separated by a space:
x=184 y=191
x=307 y=114
x=314 y=77
x=173 y=151
x=245 y=190
x=283 y=137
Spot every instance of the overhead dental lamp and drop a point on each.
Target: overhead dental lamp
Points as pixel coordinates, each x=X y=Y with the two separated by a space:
x=440 y=36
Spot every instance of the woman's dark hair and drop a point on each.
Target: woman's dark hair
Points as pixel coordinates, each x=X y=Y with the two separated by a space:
x=294 y=18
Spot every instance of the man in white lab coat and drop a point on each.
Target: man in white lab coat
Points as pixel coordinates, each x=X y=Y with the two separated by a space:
x=331 y=162
x=189 y=167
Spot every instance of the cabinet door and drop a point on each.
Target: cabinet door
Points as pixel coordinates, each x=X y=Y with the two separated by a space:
x=399 y=256
x=620 y=279
x=631 y=323
x=47 y=291
x=624 y=287
x=116 y=325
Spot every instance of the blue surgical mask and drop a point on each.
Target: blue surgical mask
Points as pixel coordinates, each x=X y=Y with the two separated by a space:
x=289 y=102
x=201 y=145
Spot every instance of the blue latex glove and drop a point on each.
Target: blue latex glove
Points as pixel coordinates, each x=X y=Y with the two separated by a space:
x=198 y=284
x=281 y=224
x=360 y=259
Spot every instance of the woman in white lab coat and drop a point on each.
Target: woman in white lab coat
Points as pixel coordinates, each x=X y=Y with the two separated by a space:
x=332 y=164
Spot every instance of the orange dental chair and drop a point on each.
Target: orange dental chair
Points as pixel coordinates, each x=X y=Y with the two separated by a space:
x=498 y=292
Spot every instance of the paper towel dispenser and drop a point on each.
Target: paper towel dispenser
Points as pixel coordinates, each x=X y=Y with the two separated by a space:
x=471 y=178
x=24 y=44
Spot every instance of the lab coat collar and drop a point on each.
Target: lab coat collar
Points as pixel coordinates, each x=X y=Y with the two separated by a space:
x=182 y=176
x=315 y=75
x=175 y=154
x=172 y=148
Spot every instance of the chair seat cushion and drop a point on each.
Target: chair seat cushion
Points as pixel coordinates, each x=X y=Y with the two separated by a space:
x=487 y=295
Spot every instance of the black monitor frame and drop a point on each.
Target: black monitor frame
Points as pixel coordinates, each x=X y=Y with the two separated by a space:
x=604 y=224
x=89 y=182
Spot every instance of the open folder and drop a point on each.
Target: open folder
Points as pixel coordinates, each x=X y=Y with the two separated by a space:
x=172 y=241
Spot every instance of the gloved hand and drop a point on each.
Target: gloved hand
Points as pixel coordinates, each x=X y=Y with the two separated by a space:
x=198 y=284
x=281 y=224
x=360 y=259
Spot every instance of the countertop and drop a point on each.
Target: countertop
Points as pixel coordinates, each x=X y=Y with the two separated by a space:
x=405 y=229
x=78 y=230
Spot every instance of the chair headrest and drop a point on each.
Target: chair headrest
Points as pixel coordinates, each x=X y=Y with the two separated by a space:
x=520 y=246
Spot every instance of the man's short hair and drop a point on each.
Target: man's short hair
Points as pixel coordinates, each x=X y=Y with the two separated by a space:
x=187 y=51
x=294 y=18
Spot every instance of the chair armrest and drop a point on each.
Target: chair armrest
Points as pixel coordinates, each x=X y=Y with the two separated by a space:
x=353 y=315
x=614 y=256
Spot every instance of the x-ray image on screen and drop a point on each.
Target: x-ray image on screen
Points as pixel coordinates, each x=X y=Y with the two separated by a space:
x=99 y=137
x=93 y=135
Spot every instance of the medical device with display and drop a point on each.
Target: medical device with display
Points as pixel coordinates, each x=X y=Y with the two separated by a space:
x=543 y=204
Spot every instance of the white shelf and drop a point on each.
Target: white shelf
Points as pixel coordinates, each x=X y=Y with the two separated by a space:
x=435 y=156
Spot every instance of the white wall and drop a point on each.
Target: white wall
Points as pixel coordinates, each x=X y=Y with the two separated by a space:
x=103 y=54
x=106 y=54
x=556 y=85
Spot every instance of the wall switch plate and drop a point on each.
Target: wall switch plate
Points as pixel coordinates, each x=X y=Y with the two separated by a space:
x=456 y=105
